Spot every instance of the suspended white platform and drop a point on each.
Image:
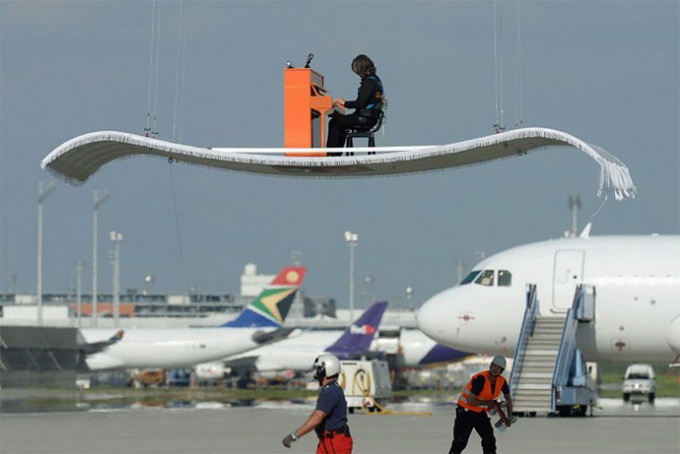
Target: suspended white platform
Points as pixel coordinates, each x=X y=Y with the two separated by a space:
x=79 y=158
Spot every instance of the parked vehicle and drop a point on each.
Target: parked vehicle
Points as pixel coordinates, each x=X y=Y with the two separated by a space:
x=366 y=384
x=639 y=380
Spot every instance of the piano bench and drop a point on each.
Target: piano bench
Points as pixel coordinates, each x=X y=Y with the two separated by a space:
x=364 y=133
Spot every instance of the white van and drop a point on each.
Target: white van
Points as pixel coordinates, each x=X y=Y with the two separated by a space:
x=639 y=380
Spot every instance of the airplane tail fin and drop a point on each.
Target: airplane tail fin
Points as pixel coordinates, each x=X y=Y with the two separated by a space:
x=358 y=336
x=271 y=306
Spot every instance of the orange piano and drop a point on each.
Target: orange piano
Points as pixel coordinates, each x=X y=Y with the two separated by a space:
x=305 y=108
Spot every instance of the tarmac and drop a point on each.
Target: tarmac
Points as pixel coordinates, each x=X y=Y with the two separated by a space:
x=203 y=428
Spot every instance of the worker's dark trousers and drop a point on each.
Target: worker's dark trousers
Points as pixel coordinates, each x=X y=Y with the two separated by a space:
x=338 y=126
x=467 y=420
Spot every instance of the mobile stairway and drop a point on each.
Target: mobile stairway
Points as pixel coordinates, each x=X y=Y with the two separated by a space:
x=549 y=374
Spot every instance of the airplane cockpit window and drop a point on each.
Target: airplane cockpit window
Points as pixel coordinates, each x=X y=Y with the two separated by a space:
x=470 y=277
x=504 y=278
x=485 y=278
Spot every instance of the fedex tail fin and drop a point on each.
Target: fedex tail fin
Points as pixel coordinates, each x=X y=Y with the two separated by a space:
x=271 y=307
x=357 y=339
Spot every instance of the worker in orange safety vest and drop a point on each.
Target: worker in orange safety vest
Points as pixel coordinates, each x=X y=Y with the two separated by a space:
x=474 y=404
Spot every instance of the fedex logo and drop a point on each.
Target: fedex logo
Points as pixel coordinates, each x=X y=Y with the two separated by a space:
x=363 y=329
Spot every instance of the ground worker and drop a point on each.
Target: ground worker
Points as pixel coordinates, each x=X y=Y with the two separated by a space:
x=474 y=404
x=329 y=418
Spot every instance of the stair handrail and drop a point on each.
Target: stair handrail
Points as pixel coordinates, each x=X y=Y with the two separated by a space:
x=583 y=296
x=584 y=308
x=525 y=332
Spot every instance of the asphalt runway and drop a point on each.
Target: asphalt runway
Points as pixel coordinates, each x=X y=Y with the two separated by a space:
x=213 y=428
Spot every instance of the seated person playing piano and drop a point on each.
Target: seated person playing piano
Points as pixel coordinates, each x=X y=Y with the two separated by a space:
x=367 y=106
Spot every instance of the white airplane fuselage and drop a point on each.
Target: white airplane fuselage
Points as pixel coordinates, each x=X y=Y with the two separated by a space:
x=637 y=306
x=415 y=350
x=413 y=347
x=296 y=352
x=168 y=348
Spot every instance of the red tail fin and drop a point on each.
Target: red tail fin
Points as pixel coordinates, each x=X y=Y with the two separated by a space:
x=291 y=275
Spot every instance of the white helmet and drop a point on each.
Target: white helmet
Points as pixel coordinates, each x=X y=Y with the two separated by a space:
x=326 y=366
x=499 y=361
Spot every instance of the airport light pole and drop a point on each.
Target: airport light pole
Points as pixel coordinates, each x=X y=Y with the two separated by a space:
x=99 y=198
x=409 y=297
x=368 y=290
x=116 y=239
x=574 y=206
x=80 y=264
x=149 y=279
x=11 y=282
x=44 y=191
x=352 y=239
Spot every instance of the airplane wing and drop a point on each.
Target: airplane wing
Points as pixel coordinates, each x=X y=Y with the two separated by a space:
x=243 y=362
x=79 y=158
x=95 y=347
x=267 y=337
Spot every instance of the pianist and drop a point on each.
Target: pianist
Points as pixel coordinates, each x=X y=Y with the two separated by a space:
x=366 y=107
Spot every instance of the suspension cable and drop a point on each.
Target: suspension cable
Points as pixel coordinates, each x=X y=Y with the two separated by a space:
x=178 y=230
x=501 y=77
x=498 y=65
x=158 y=59
x=518 y=57
x=147 y=129
x=152 y=110
x=495 y=64
x=180 y=72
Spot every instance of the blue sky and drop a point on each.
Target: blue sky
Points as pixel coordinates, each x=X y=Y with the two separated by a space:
x=604 y=71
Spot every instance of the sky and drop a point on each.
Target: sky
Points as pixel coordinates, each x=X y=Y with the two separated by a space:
x=604 y=71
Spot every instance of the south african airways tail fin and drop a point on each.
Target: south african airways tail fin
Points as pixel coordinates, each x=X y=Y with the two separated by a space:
x=357 y=338
x=271 y=306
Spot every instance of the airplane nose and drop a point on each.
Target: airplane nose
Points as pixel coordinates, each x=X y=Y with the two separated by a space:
x=433 y=318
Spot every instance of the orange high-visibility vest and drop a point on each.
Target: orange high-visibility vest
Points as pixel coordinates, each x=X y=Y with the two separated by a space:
x=486 y=394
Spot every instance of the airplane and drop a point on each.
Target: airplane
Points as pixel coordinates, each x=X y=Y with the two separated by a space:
x=414 y=350
x=297 y=352
x=637 y=304
x=258 y=324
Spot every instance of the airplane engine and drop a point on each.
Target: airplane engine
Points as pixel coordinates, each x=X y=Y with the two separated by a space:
x=673 y=334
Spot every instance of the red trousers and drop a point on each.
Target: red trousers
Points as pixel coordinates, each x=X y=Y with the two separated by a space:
x=337 y=444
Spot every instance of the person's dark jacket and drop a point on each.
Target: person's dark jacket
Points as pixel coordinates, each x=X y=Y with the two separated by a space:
x=370 y=96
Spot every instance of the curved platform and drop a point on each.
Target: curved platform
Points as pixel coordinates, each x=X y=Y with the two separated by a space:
x=79 y=158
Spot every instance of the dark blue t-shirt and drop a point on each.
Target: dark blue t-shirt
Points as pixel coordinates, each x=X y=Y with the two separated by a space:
x=332 y=401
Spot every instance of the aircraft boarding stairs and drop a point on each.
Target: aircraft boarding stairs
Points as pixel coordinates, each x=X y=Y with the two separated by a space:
x=549 y=373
